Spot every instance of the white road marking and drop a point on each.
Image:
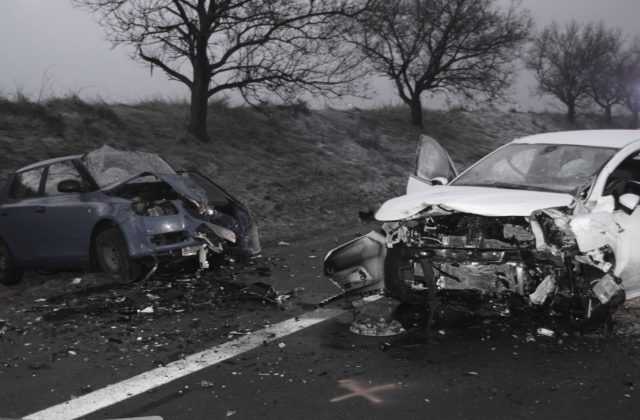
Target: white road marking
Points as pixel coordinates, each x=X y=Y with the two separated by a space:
x=146 y=381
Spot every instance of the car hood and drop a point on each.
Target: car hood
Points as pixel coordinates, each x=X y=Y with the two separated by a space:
x=482 y=201
x=182 y=185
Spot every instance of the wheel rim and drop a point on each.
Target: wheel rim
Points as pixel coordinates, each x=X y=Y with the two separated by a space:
x=111 y=258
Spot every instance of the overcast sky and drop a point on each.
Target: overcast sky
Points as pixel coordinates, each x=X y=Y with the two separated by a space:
x=39 y=37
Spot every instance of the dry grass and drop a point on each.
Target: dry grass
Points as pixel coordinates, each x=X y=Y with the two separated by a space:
x=301 y=171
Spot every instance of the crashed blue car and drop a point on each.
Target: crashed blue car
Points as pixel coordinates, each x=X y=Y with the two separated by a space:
x=120 y=211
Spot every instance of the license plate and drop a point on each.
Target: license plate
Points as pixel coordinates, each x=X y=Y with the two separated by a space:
x=191 y=250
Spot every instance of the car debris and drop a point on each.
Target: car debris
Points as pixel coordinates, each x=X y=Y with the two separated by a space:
x=547 y=221
x=125 y=212
x=545 y=332
x=376 y=328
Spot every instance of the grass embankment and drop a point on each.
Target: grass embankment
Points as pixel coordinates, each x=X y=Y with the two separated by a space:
x=300 y=171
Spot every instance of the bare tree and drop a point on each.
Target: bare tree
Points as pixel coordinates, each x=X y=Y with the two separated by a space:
x=455 y=46
x=603 y=76
x=629 y=78
x=567 y=63
x=255 y=47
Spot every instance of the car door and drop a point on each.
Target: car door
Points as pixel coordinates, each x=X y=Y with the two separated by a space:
x=433 y=165
x=66 y=218
x=612 y=224
x=627 y=223
x=18 y=215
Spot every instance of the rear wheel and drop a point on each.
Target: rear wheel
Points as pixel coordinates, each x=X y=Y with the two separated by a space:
x=111 y=252
x=9 y=275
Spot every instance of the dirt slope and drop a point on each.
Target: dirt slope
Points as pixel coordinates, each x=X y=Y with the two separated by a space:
x=299 y=170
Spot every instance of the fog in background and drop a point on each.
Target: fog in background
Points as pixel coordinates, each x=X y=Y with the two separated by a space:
x=49 y=48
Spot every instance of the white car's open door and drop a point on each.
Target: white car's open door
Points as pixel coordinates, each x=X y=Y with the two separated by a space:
x=433 y=166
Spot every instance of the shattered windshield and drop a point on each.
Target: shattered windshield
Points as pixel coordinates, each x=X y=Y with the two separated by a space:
x=542 y=167
x=108 y=166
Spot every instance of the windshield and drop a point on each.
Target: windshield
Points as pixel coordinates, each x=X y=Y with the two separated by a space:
x=543 y=167
x=108 y=166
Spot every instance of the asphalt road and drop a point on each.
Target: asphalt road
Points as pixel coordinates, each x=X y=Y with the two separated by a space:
x=477 y=370
x=464 y=367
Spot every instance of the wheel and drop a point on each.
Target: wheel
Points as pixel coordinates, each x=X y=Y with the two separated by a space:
x=408 y=279
x=411 y=280
x=9 y=275
x=112 y=255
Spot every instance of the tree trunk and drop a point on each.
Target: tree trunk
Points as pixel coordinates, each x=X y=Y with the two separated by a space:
x=634 y=119
x=198 y=111
x=607 y=114
x=200 y=87
x=416 y=111
x=571 y=112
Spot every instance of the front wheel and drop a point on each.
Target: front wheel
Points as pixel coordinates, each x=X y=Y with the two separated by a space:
x=9 y=275
x=111 y=252
x=409 y=278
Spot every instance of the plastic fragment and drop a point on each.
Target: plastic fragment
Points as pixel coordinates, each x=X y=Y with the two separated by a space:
x=545 y=332
x=206 y=384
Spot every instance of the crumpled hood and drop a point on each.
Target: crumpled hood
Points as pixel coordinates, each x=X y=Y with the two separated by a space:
x=180 y=184
x=482 y=201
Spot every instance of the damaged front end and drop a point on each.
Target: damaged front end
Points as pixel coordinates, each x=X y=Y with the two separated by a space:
x=440 y=254
x=167 y=215
x=536 y=259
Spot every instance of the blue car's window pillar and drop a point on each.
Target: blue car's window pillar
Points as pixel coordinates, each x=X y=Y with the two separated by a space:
x=27 y=184
x=57 y=172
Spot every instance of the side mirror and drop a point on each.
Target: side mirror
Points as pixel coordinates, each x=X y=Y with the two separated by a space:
x=69 y=186
x=439 y=180
x=629 y=201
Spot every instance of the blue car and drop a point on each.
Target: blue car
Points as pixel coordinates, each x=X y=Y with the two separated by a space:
x=124 y=212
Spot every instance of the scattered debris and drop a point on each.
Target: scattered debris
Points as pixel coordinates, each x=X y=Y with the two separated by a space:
x=545 y=332
x=283 y=243
x=206 y=384
x=147 y=310
x=281 y=345
x=380 y=328
x=76 y=281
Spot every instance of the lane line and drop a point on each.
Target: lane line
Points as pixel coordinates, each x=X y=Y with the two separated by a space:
x=146 y=381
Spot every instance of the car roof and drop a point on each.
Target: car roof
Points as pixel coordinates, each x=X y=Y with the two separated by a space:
x=49 y=162
x=616 y=139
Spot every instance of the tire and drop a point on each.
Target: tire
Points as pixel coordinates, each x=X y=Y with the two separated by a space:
x=401 y=270
x=9 y=274
x=113 y=257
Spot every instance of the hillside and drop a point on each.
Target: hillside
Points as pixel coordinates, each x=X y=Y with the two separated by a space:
x=300 y=171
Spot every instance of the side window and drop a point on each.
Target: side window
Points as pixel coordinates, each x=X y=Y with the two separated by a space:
x=26 y=184
x=625 y=178
x=60 y=171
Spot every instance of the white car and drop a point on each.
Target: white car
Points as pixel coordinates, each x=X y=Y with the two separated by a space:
x=549 y=220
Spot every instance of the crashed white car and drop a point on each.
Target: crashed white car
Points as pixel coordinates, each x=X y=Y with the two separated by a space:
x=549 y=220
